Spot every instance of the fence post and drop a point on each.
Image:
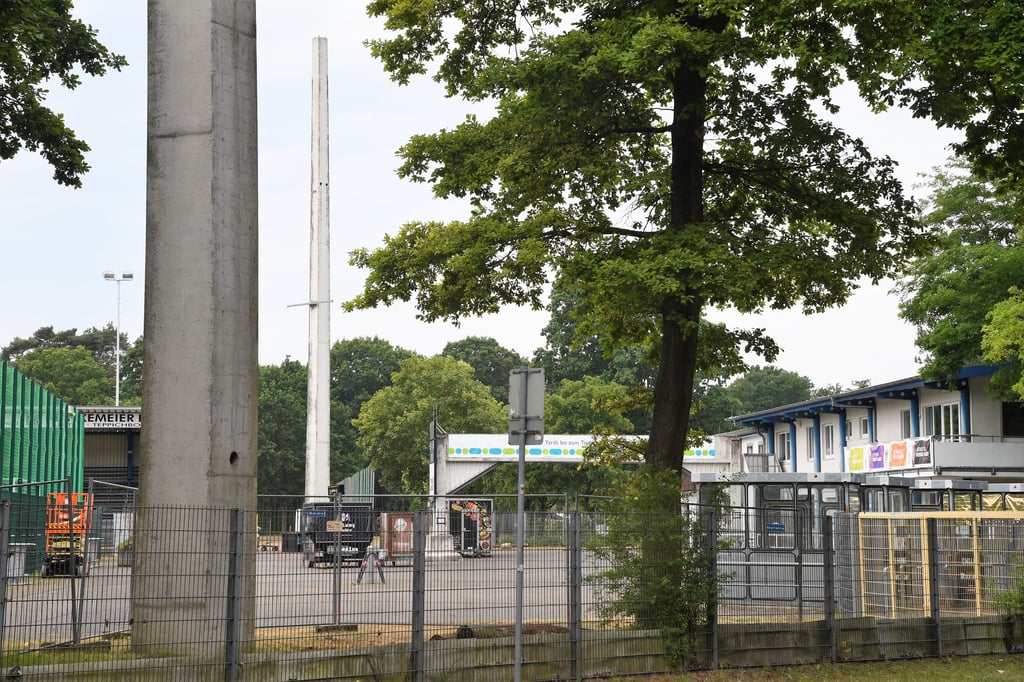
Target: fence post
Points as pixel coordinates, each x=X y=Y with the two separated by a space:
x=419 y=585
x=575 y=546
x=5 y=550
x=828 y=568
x=798 y=560
x=933 y=582
x=711 y=552
x=233 y=623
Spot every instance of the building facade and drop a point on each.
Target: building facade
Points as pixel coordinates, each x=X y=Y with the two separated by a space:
x=911 y=427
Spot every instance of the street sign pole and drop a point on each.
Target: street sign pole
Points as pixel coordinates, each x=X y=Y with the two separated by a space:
x=526 y=426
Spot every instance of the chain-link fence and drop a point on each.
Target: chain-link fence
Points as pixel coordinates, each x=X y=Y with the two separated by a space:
x=393 y=588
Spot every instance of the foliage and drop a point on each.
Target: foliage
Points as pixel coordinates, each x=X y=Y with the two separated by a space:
x=762 y=388
x=491 y=362
x=1011 y=600
x=359 y=368
x=675 y=586
x=713 y=405
x=44 y=44
x=664 y=157
x=957 y=64
x=44 y=337
x=1002 y=340
x=394 y=424
x=282 y=429
x=70 y=373
x=101 y=344
x=950 y=292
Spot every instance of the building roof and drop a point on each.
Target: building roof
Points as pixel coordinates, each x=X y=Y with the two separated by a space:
x=902 y=389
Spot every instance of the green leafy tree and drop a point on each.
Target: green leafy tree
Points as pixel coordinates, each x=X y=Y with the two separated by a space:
x=763 y=388
x=131 y=372
x=1003 y=344
x=359 y=368
x=646 y=152
x=957 y=64
x=950 y=292
x=394 y=424
x=101 y=344
x=70 y=373
x=713 y=405
x=44 y=337
x=490 y=361
x=282 y=429
x=43 y=45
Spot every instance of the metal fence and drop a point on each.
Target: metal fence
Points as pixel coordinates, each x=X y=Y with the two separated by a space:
x=293 y=592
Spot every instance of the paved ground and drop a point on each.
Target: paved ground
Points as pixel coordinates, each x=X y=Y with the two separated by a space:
x=289 y=594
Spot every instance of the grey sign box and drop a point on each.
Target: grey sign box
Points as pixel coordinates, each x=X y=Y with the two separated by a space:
x=526 y=405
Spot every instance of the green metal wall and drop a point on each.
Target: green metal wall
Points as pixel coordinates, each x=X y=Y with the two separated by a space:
x=42 y=437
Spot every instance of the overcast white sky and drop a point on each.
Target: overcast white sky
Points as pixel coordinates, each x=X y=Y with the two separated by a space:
x=59 y=241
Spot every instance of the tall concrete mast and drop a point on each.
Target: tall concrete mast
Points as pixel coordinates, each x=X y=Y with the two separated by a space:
x=318 y=396
x=199 y=388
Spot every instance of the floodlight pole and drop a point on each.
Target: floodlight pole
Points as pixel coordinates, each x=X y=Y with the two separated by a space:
x=111 y=277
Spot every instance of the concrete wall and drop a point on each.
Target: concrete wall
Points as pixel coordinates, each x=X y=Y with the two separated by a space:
x=604 y=653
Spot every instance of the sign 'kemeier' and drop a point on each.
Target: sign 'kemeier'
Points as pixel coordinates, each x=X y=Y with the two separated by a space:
x=112 y=420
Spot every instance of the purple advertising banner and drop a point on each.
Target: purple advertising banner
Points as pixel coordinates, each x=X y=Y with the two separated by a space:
x=877 y=456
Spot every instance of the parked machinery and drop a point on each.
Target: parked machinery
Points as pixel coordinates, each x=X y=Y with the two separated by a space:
x=68 y=522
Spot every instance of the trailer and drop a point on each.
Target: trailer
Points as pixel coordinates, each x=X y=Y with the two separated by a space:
x=68 y=522
x=335 y=531
x=470 y=523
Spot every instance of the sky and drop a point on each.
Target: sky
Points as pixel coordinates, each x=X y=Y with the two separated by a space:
x=59 y=241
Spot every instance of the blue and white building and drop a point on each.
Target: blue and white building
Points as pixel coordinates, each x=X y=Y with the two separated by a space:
x=911 y=428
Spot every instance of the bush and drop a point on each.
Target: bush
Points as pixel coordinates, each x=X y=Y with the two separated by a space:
x=662 y=575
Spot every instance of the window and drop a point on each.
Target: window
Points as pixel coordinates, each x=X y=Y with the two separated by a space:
x=810 y=445
x=828 y=440
x=1013 y=419
x=750 y=449
x=942 y=420
x=905 y=430
x=782 y=446
x=849 y=430
x=864 y=430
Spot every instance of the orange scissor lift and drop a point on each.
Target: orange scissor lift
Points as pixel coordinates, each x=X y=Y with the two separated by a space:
x=68 y=521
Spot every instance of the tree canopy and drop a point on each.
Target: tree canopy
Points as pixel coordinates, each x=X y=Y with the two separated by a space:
x=664 y=157
x=963 y=287
x=100 y=343
x=359 y=368
x=282 y=429
x=762 y=388
x=491 y=362
x=43 y=44
x=394 y=424
x=71 y=373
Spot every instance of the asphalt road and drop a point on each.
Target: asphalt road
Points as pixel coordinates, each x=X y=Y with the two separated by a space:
x=288 y=593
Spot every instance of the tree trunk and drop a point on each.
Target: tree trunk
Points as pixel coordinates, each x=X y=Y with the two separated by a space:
x=680 y=314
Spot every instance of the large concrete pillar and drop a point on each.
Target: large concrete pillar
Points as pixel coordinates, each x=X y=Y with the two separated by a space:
x=200 y=366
